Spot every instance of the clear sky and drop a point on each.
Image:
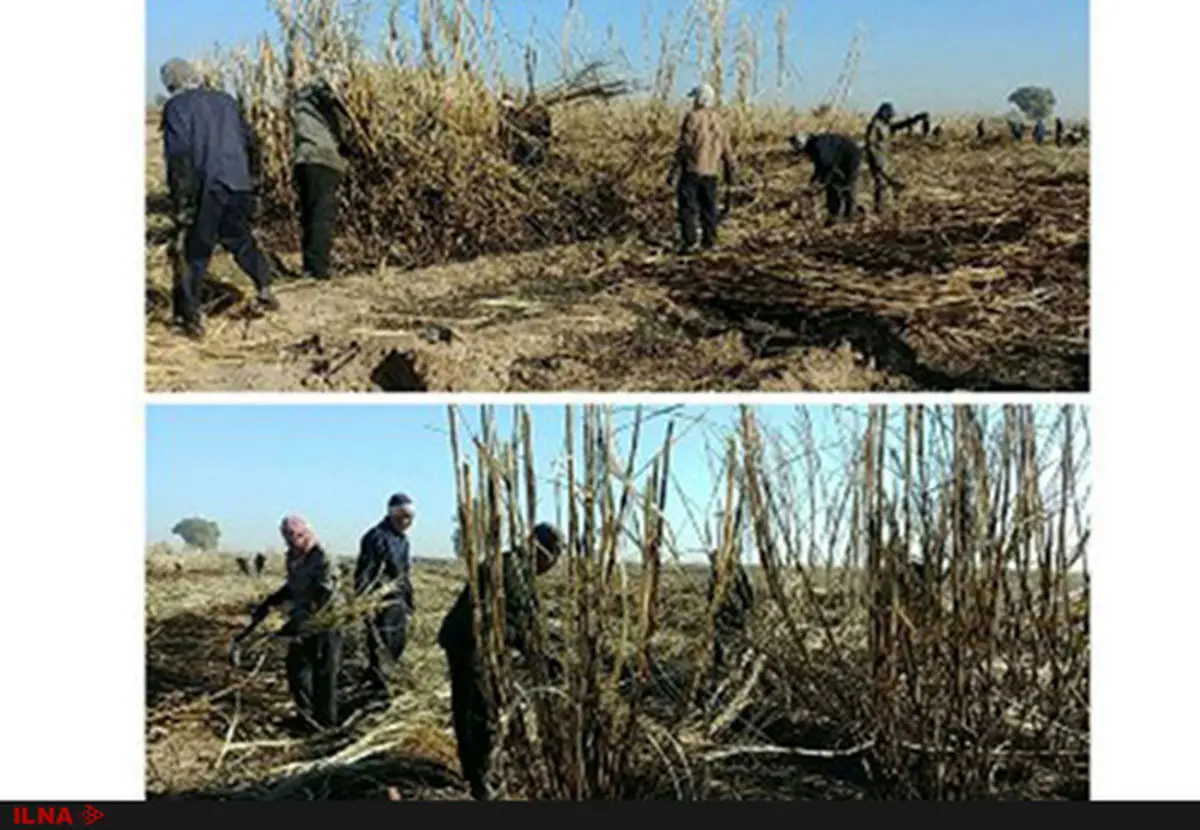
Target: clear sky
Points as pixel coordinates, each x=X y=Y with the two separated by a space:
x=939 y=55
x=245 y=467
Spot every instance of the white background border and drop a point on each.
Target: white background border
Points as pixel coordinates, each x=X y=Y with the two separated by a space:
x=72 y=696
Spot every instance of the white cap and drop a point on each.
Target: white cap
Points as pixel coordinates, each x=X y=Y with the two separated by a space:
x=704 y=95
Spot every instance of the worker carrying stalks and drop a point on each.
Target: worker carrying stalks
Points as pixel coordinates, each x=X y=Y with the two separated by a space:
x=213 y=162
x=315 y=652
x=879 y=155
x=704 y=152
x=474 y=722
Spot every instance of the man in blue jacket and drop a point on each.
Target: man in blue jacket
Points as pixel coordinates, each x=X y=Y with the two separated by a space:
x=212 y=163
x=385 y=567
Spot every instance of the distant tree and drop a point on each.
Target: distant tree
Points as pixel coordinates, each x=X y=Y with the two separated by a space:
x=197 y=533
x=160 y=101
x=1034 y=102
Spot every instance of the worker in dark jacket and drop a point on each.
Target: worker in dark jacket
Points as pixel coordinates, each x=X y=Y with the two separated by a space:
x=878 y=147
x=384 y=570
x=732 y=608
x=315 y=651
x=526 y=131
x=473 y=718
x=322 y=138
x=1039 y=132
x=1060 y=131
x=836 y=160
x=212 y=165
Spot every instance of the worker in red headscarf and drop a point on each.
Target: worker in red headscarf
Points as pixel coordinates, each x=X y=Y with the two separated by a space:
x=315 y=649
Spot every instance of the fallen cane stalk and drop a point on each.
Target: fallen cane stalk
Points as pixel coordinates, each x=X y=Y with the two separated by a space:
x=794 y=752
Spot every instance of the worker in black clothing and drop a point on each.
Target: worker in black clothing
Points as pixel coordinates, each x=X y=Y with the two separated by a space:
x=315 y=651
x=525 y=131
x=473 y=724
x=732 y=609
x=212 y=168
x=384 y=569
x=836 y=160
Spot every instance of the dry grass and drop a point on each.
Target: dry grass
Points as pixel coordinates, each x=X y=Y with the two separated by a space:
x=559 y=278
x=850 y=682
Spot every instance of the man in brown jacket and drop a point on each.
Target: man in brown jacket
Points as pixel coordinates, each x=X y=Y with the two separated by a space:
x=704 y=152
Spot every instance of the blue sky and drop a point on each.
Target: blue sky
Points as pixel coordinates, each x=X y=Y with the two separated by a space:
x=941 y=55
x=245 y=467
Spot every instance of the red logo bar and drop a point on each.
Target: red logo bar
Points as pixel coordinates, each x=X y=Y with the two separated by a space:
x=29 y=816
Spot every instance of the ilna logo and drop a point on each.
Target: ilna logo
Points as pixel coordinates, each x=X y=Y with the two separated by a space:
x=25 y=816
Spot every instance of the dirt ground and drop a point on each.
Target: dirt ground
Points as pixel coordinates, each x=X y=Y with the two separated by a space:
x=215 y=732
x=978 y=282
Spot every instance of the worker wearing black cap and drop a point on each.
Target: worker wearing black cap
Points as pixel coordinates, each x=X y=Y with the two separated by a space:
x=473 y=723
x=385 y=566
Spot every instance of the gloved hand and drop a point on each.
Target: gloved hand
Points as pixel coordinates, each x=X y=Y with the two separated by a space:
x=255 y=206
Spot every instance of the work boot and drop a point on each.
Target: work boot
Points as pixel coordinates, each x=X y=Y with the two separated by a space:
x=266 y=303
x=193 y=328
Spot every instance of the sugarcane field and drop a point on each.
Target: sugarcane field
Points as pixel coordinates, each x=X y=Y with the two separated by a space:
x=434 y=203
x=605 y=602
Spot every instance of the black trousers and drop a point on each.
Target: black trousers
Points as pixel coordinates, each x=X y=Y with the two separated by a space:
x=313 y=664
x=472 y=727
x=387 y=635
x=223 y=217
x=841 y=195
x=317 y=185
x=698 y=199
x=884 y=180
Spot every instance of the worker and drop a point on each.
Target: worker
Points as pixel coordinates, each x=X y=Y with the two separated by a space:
x=732 y=609
x=474 y=718
x=384 y=571
x=525 y=132
x=836 y=161
x=704 y=151
x=878 y=150
x=315 y=648
x=322 y=136
x=213 y=162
